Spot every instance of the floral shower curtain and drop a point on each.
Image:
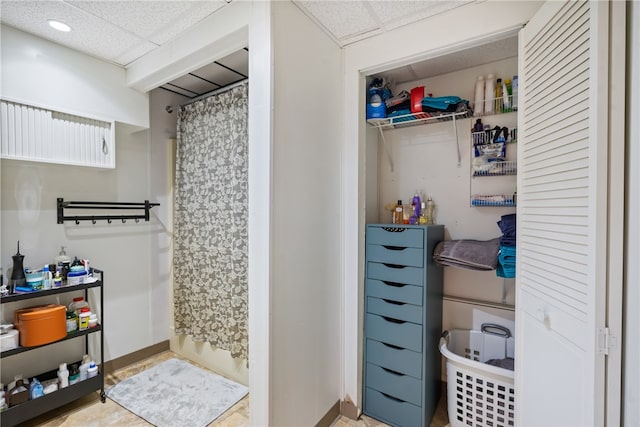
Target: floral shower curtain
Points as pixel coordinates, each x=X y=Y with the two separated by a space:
x=210 y=251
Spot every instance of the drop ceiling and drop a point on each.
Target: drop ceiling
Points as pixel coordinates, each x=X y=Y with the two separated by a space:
x=121 y=32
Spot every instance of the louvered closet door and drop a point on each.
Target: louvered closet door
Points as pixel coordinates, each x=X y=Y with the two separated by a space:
x=562 y=207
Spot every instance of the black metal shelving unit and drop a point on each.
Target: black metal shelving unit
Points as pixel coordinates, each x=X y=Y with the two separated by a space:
x=32 y=408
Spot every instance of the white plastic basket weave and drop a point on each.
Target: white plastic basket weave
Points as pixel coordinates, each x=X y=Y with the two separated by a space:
x=478 y=394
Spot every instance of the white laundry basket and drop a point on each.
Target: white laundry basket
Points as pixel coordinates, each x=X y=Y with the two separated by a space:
x=478 y=394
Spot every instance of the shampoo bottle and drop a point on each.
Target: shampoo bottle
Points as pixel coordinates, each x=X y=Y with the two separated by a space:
x=498 y=95
x=478 y=105
x=489 y=94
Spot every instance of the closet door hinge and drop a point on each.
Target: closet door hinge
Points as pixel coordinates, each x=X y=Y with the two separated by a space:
x=606 y=341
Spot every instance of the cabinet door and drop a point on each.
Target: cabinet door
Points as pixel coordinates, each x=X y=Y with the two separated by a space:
x=562 y=216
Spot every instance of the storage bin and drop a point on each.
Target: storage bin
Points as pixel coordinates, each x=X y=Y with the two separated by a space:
x=40 y=325
x=479 y=394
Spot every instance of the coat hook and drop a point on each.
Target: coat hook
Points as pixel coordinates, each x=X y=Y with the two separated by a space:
x=77 y=221
x=93 y=220
x=137 y=220
x=109 y=220
x=124 y=220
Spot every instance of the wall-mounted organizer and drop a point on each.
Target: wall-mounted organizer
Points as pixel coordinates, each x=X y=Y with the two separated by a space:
x=140 y=211
x=491 y=157
x=38 y=134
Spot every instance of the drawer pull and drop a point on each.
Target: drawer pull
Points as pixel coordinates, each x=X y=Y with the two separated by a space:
x=391 y=397
x=394 y=248
x=395 y=347
x=394 y=284
x=397 y=266
x=394 y=229
x=393 y=302
x=391 y=371
x=389 y=319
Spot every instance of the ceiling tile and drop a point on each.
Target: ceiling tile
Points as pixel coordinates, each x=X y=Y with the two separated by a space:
x=135 y=52
x=341 y=18
x=157 y=21
x=89 y=34
x=198 y=11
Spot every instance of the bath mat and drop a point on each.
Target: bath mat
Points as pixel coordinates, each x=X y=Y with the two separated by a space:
x=176 y=393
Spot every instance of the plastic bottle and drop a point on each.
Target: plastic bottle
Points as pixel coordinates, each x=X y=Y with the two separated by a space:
x=63 y=375
x=430 y=208
x=74 y=375
x=72 y=322
x=57 y=280
x=489 y=94
x=62 y=257
x=93 y=370
x=514 y=92
x=498 y=96
x=47 y=278
x=506 y=95
x=78 y=304
x=84 y=367
x=397 y=213
x=415 y=209
x=478 y=105
x=423 y=219
x=83 y=319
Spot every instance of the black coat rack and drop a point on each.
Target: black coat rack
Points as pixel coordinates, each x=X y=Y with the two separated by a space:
x=62 y=205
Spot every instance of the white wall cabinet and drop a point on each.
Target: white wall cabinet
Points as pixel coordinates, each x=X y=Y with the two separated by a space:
x=38 y=134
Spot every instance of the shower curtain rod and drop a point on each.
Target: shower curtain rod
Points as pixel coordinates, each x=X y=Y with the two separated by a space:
x=214 y=92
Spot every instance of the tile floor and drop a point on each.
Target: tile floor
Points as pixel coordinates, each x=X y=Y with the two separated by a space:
x=90 y=412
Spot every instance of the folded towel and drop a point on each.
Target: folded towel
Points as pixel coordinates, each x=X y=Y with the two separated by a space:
x=506 y=262
x=469 y=254
x=507 y=225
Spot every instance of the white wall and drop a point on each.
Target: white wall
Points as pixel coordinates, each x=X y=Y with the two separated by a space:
x=433 y=37
x=631 y=362
x=306 y=256
x=134 y=317
x=42 y=73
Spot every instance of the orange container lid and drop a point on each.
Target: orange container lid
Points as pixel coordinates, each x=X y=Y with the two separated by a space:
x=33 y=313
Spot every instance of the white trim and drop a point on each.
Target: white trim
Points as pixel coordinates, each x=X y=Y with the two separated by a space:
x=260 y=153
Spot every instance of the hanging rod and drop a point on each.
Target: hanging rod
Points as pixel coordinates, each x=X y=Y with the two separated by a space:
x=62 y=205
x=490 y=304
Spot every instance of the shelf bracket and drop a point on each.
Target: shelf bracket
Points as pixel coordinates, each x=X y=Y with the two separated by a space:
x=386 y=147
x=455 y=130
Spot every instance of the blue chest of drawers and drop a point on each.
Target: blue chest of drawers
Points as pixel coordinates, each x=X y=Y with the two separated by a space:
x=402 y=324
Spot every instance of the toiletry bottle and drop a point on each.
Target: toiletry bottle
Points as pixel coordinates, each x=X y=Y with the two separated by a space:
x=93 y=370
x=430 y=208
x=57 y=280
x=63 y=375
x=498 y=95
x=397 y=213
x=47 y=279
x=506 y=99
x=415 y=207
x=74 y=374
x=489 y=94
x=478 y=105
x=423 y=219
x=84 y=367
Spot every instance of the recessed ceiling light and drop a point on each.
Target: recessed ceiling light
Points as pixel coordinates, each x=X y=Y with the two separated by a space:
x=60 y=26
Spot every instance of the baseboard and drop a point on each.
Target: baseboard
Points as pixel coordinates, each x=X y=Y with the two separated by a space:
x=349 y=410
x=136 y=356
x=330 y=416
